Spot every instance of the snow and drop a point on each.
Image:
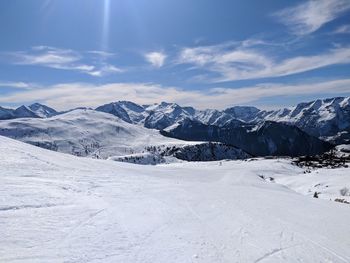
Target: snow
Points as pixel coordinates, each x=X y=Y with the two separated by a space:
x=42 y=111
x=326 y=182
x=6 y=113
x=85 y=132
x=61 y=208
x=327 y=119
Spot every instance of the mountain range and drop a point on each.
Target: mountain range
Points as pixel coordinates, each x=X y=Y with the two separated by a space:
x=327 y=119
x=35 y=110
x=124 y=130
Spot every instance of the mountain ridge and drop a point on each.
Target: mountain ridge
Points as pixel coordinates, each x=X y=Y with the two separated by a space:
x=327 y=119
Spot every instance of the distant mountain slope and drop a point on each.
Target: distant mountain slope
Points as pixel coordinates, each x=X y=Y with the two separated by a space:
x=42 y=111
x=35 y=110
x=263 y=139
x=115 y=109
x=327 y=119
x=84 y=133
x=6 y=114
x=101 y=135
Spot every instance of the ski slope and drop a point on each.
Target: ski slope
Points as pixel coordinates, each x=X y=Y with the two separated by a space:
x=56 y=207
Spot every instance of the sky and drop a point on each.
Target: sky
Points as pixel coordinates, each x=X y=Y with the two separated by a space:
x=203 y=53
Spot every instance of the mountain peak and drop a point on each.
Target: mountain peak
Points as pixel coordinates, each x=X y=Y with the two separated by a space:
x=41 y=110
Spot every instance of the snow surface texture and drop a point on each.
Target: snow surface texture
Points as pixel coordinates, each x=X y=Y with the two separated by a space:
x=61 y=208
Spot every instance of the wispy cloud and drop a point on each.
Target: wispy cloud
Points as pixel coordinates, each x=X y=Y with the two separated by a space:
x=64 y=59
x=309 y=16
x=156 y=59
x=65 y=96
x=101 y=53
x=344 y=29
x=105 y=69
x=16 y=85
x=231 y=63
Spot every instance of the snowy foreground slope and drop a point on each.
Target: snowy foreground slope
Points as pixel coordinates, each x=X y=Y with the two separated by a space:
x=61 y=208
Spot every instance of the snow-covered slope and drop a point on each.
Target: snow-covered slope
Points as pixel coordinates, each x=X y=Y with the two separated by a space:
x=116 y=109
x=97 y=134
x=85 y=133
x=61 y=208
x=6 y=114
x=243 y=113
x=165 y=114
x=42 y=111
x=24 y=112
x=155 y=116
x=329 y=118
x=35 y=110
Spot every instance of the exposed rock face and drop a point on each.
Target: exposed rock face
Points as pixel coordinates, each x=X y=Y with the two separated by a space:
x=267 y=138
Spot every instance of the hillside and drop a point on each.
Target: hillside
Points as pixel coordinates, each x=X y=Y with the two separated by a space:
x=59 y=208
x=262 y=139
x=84 y=132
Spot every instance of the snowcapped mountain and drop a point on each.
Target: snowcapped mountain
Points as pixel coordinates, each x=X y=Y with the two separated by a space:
x=6 y=114
x=262 y=139
x=118 y=109
x=35 y=110
x=156 y=116
x=84 y=133
x=24 y=112
x=212 y=117
x=243 y=113
x=165 y=114
x=101 y=135
x=42 y=111
x=328 y=119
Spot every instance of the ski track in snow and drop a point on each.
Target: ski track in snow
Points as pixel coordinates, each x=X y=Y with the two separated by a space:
x=60 y=208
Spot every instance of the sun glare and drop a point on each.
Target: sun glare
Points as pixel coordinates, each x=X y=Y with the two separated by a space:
x=105 y=29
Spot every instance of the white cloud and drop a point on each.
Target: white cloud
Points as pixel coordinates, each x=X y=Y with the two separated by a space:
x=344 y=29
x=71 y=95
x=102 y=54
x=64 y=59
x=156 y=59
x=311 y=15
x=105 y=70
x=16 y=85
x=237 y=62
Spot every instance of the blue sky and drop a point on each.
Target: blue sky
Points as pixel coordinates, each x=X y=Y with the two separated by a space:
x=205 y=53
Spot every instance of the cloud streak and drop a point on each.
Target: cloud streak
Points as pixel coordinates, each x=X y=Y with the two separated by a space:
x=64 y=59
x=16 y=85
x=71 y=95
x=311 y=15
x=231 y=63
x=344 y=29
